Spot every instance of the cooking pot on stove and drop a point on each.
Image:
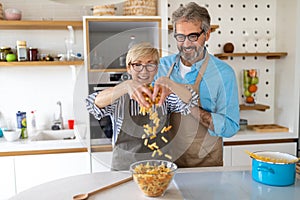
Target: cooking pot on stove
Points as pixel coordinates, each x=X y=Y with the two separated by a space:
x=274 y=168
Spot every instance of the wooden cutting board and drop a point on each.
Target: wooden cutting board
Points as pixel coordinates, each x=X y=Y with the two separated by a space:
x=268 y=128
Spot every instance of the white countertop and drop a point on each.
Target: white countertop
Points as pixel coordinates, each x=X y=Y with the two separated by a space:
x=252 y=136
x=189 y=183
x=27 y=144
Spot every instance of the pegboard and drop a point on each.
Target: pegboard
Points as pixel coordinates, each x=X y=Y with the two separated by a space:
x=250 y=26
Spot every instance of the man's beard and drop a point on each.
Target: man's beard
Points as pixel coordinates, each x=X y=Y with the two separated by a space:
x=192 y=56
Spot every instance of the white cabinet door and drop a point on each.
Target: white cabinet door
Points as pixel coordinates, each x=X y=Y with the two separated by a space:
x=227 y=156
x=240 y=158
x=33 y=170
x=7 y=177
x=101 y=161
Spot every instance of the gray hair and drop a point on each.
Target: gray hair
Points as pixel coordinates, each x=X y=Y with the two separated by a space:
x=194 y=13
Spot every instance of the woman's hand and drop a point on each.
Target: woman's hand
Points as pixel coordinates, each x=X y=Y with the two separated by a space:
x=137 y=91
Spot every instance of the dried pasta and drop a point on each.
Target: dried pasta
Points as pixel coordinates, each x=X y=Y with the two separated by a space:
x=152 y=180
x=151 y=131
x=269 y=159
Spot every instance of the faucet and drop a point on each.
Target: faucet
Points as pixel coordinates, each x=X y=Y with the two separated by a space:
x=58 y=123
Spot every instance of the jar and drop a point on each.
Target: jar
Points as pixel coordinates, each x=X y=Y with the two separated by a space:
x=3 y=52
x=32 y=54
x=243 y=124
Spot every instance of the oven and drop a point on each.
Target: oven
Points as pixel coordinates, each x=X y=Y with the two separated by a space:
x=100 y=129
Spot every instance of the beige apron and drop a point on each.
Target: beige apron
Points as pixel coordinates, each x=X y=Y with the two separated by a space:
x=129 y=146
x=192 y=145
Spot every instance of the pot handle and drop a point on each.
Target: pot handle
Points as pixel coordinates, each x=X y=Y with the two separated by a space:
x=265 y=169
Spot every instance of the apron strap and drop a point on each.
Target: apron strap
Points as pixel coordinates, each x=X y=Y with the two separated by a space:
x=200 y=74
x=170 y=70
x=196 y=85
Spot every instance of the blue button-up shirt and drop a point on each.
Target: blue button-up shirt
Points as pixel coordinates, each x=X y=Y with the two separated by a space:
x=218 y=91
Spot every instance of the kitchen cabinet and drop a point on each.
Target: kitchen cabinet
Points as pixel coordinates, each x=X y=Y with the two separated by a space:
x=7 y=177
x=226 y=156
x=101 y=161
x=107 y=39
x=32 y=170
x=236 y=155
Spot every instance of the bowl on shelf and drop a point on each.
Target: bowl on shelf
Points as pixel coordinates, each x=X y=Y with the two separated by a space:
x=153 y=176
x=228 y=47
x=12 y=135
x=13 y=14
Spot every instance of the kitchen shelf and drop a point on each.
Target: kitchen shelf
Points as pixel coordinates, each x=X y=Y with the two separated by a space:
x=268 y=55
x=258 y=107
x=41 y=63
x=35 y=24
x=109 y=70
x=212 y=27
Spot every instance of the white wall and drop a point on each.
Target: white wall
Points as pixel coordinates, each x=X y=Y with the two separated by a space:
x=287 y=72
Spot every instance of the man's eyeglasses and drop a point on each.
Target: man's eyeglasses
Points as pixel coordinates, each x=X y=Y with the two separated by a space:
x=138 y=67
x=193 y=37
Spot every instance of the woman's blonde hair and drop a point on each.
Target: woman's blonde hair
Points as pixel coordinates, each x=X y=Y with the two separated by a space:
x=142 y=50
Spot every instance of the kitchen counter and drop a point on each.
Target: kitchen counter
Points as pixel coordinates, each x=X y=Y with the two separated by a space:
x=247 y=135
x=189 y=183
x=241 y=138
x=28 y=147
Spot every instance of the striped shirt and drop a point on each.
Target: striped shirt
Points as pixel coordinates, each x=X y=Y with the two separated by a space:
x=116 y=110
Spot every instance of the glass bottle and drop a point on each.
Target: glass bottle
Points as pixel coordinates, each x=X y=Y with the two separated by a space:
x=21 y=50
x=132 y=42
x=122 y=59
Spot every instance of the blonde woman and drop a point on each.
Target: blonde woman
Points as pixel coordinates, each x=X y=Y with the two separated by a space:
x=118 y=103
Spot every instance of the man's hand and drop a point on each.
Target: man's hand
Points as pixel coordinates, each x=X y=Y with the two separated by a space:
x=161 y=86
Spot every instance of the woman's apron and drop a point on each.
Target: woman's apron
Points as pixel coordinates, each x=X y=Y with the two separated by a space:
x=192 y=145
x=129 y=146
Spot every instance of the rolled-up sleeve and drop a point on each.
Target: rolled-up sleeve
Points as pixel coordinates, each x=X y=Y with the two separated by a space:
x=225 y=111
x=93 y=109
x=175 y=104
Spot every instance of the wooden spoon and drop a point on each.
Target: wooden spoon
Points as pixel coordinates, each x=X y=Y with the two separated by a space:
x=86 y=195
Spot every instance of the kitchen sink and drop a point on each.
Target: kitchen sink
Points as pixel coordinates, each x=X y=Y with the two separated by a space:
x=54 y=135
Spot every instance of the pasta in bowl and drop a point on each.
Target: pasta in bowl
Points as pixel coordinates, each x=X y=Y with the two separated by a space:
x=153 y=176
